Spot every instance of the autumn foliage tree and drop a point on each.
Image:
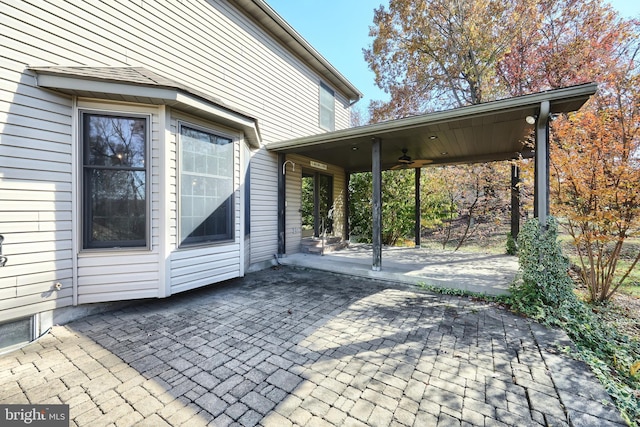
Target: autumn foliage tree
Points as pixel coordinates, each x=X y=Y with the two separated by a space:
x=596 y=165
x=475 y=201
x=595 y=152
x=431 y=55
x=438 y=54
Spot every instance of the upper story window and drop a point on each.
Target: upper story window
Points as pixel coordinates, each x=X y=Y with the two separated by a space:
x=327 y=108
x=206 y=186
x=114 y=180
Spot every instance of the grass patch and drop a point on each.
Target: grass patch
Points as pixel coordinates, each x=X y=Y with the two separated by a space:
x=463 y=293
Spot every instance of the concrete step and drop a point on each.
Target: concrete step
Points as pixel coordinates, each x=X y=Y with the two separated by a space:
x=315 y=245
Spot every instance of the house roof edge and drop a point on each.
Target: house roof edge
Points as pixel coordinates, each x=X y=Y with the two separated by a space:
x=266 y=16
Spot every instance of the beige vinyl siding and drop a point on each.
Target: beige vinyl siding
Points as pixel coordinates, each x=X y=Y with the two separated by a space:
x=119 y=274
x=35 y=195
x=343 y=112
x=118 y=277
x=264 y=206
x=207 y=45
x=196 y=266
x=294 y=199
x=250 y=70
x=293 y=216
x=246 y=211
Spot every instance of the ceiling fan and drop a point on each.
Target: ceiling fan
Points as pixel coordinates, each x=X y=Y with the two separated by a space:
x=406 y=162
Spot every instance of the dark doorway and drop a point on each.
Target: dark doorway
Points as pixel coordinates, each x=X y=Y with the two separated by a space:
x=317 y=204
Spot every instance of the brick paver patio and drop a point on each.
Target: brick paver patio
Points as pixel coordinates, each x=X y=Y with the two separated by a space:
x=288 y=347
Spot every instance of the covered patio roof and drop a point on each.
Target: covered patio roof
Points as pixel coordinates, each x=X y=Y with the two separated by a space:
x=486 y=132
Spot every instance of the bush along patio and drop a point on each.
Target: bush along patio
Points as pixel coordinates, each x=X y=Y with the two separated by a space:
x=545 y=293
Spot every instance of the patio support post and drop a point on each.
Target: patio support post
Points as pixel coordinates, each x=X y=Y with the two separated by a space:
x=376 y=172
x=418 y=212
x=347 y=202
x=541 y=190
x=281 y=205
x=515 y=200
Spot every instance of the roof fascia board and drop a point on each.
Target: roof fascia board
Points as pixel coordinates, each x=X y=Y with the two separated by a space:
x=248 y=125
x=91 y=85
x=522 y=102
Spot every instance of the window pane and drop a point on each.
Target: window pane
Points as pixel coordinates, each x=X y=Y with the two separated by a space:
x=114 y=181
x=115 y=141
x=206 y=186
x=327 y=108
x=117 y=211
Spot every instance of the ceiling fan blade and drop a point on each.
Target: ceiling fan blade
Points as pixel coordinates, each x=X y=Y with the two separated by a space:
x=418 y=163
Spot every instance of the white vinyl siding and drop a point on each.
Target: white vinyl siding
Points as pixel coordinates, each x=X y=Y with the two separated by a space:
x=206 y=45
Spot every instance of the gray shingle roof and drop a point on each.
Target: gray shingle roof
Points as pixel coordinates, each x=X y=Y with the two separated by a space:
x=121 y=83
x=130 y=75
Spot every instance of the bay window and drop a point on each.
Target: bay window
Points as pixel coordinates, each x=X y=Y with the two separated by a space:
x=206 y=186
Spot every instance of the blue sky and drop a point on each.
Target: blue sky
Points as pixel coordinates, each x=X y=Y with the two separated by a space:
x=339 y=30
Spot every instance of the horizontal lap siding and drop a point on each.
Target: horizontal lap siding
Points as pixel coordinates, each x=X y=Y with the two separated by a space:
x=294 y=199
x=264 y=206
x=115 y=275
x=193 y=267
x=119 y=277
x=293 y=217
x=35 y=195
x=207 y=45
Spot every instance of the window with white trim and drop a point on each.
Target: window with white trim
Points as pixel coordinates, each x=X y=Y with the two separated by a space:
x=114 y=178
x=327 y=108
x=206 y=186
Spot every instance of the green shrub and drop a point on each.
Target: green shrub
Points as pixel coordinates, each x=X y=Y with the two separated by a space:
x=544 y=291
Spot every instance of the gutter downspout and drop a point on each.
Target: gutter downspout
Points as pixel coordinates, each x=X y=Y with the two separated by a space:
x=75 y=190
x=281 y=205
